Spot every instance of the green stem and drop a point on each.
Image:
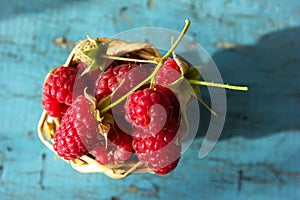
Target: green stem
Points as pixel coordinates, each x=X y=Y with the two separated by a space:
x=167 y=55
x=107 y=108
x=231 y=87
x=129 y=59
x=151 y=77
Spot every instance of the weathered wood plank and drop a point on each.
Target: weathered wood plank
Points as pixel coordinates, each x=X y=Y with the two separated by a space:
x=252 y=43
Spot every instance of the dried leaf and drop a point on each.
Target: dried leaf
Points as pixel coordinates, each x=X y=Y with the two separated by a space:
x=193 y=74
x=104 y=102
x=184 y=90
x=144 y=50
x=183 y=65
x=104 y=130
x=108 y=119
x=90 y=98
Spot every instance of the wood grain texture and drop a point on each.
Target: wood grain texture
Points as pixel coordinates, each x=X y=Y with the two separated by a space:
x=255 y=44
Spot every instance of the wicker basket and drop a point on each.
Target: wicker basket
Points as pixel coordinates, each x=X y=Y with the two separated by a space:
x=148 y=53
x=87 y=164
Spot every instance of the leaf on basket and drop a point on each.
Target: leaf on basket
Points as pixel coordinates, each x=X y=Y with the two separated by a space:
x=97 y=56
x=192 y=73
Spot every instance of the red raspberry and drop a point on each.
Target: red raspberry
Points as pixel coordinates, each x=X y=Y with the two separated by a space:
x=132 y=74
x=168 y=73
x=119 y=147
x=161 y=152
x=109 y=80
x=148 y=108
x=167 y=169
x=173 y=100
x=103 y=155
x=122 y=141
x=57 y=91
x=78 y=130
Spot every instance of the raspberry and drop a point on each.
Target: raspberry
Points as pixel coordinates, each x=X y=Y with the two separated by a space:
x=109 y=80
x=167 y=169
x=57 y=91
x=119 y=147
x=78 y=130
x=160 y=152
x=173 y=100
x=148 y=108
x=67 y=143
x=168 y=73
x=103 y=155
x=122 y=141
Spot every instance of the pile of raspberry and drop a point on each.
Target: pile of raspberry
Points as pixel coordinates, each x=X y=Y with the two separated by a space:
x=144 y=127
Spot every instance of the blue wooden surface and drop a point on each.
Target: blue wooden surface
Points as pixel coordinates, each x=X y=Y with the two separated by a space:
x=259 y=154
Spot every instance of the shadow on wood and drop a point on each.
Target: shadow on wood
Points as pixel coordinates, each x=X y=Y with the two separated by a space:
x=271 y=70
